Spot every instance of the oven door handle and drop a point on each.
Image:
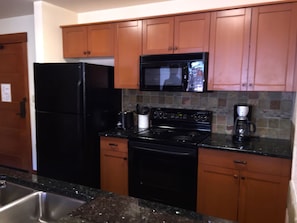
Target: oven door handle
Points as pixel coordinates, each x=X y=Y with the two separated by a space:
x=164 y=152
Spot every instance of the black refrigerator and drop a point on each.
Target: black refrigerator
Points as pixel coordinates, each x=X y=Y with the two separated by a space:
x=73 y=102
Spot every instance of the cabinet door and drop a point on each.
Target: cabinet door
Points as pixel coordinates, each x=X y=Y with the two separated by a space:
x=75 y=41
x=101 y=40
x=229 y=49
x=262 y=198
x=273 y=47
x=114 y=165
x=191 y=33
x=127 y=52
x=218 y=191
x=158 y=35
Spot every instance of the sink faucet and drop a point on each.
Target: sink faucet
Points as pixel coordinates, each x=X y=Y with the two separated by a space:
x=2 y=181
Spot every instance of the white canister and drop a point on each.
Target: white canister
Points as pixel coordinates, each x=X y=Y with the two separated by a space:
x=143 y=121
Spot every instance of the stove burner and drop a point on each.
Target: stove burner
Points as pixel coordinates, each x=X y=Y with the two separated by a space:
x=183 y=138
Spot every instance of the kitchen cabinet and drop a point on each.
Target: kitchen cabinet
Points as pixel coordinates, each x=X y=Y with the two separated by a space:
x=242 y=187
x=253 y=49
x=229 y=49
x=178 y=34
x=127 y=52
x=273 y=48
x=114 y=165
x=88 y=40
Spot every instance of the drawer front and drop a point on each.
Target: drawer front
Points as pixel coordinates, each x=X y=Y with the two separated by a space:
x=243 y=161
x=114 y=144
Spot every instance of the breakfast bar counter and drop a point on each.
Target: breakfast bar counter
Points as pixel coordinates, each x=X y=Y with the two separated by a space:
x=104 y=207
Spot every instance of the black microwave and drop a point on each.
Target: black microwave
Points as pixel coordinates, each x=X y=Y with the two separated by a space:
x=174 y=72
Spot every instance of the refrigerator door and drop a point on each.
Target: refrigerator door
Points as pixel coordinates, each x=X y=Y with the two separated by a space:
x=60 y=142
x=59 y=87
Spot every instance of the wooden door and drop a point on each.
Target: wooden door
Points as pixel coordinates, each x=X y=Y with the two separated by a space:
x=218 y=191
x=101 y=40
x=15 y=133
x=158 y=35
x=273 y=47
x=127 y=53
x=262 y=198
x=191 y=33
x=229 y=49
x=75 y=41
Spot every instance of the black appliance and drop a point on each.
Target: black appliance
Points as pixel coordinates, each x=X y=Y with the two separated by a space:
x=163 y=159
x=73 y=101
x=174 y=72
x=125 y=120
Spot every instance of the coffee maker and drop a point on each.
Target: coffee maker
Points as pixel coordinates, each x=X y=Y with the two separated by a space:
x=243 y=127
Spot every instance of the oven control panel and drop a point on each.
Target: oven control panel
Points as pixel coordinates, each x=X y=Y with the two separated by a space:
x=175 y=117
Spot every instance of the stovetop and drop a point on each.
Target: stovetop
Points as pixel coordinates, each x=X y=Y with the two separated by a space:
x=177 y=126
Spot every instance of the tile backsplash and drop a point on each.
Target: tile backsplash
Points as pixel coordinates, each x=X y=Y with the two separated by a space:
x=271 y=111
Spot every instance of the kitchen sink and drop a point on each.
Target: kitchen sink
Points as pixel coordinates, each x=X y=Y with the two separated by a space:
x=11 y=192
x=38 y=207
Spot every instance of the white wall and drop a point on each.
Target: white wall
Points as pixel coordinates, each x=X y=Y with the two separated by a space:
x=25 y=24
x=48 y=18
x=161 y=8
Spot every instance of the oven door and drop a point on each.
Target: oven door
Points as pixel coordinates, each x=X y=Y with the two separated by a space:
x=166 y=174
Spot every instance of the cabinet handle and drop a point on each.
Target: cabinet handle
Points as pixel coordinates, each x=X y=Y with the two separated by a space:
x=235 y=176
x=240 y=162
x=113 y=144
x=170 y=48
x=175 y=48
x=242 y=178
x=125 y=158
x=243 y=85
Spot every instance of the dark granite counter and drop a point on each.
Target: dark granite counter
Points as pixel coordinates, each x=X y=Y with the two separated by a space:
x=106 y=207
x=259 y=146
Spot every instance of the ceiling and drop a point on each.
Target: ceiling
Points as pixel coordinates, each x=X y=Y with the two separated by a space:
x=13 y=8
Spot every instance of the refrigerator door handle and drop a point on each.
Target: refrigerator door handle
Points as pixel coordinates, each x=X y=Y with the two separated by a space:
x=22 y=112
x=78 y=96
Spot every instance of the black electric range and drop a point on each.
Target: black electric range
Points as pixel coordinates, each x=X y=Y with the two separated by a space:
x=163 y=159
x=180 y=127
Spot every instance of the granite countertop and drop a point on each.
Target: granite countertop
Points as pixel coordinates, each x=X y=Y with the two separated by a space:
x=259 y=146
x=280 y=148
x=106 y=207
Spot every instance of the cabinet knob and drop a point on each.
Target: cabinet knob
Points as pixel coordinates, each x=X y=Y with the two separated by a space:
x=170 y=48
x=242 y=178
x=235 y=176
x=243 y=85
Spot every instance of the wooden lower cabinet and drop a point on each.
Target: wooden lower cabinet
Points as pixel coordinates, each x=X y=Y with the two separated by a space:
x=114 y=165
x=242 y=187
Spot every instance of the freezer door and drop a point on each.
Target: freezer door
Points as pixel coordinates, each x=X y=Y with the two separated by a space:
x=59 y=87
x=60 y=146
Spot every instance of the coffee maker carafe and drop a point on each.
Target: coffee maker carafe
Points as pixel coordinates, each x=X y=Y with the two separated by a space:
x=243 y=127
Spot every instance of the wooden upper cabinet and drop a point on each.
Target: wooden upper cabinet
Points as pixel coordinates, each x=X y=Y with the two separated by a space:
x=229 y=49
x=88 y=40
x=191 y=33
x=75 y=41
x=127 y=53
x=253 y=49
x=179 y=34
x=273 y=47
